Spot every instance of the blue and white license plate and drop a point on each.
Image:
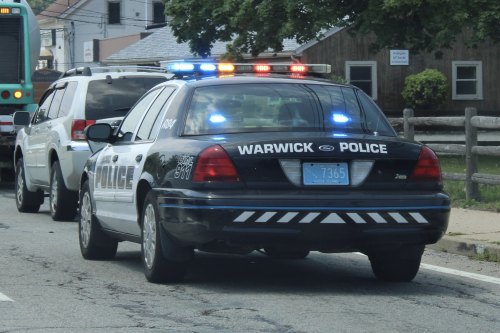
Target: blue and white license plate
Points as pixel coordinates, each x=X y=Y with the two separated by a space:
x=325 y=173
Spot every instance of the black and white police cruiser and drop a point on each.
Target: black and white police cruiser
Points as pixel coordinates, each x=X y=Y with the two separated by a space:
x=232 y=158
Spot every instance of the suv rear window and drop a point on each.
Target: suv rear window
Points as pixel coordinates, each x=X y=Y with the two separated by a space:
x=115 y=99
x=245 y=108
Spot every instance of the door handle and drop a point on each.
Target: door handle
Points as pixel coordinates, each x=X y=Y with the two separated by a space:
x=115 y=158
x=138 y=158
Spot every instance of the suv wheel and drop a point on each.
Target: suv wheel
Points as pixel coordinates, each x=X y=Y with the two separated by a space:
x=26 y=201
x=157 y=268
x=94 y=244
x=63 y=202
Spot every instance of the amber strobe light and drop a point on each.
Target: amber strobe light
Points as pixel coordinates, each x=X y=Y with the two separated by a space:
x=226 y=67
x=5 y=10
x=18 y=94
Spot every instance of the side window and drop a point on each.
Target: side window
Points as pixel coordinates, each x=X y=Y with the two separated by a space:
x=114 y=12
x=56 y=103
x=132 y=119
x=363 y=74
x=67 y=99
x=467 y=80
x=155 y=112
x=43 y=109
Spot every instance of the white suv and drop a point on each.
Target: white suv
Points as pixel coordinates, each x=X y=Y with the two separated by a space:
x=52 y=149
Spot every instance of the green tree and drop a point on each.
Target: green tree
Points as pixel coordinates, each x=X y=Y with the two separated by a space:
x=39 y=5
x=255 y=26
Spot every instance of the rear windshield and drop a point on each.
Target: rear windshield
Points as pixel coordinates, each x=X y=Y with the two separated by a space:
x=246 y=108
x=108 y=100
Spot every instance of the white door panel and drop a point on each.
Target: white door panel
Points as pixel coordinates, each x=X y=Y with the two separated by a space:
x=117 y=175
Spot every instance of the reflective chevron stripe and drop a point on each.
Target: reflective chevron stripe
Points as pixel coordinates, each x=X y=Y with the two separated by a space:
x=418 y=217
x=377 y=218
x=332 y=218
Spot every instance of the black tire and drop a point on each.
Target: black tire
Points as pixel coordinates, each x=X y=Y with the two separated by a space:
x=8 y=175
x=401 y=265
x=94 y=244
x=63 y=202
x=157 y=268
x=278 y=254
x=26 y=201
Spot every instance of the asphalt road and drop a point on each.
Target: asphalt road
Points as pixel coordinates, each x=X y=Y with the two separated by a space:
x=46 y=286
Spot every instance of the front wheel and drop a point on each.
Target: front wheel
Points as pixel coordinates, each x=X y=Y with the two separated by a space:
x=401 y=265
x=157 y=268
x=94 y=244
x=63 y=202
x=26 y=201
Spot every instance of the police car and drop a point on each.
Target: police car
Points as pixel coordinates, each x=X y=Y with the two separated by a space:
x=232 y=158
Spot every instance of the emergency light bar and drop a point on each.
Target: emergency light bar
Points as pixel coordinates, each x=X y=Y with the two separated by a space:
x=230 y=68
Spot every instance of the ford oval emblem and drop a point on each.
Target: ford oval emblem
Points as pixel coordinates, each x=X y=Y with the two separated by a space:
x=326 y=148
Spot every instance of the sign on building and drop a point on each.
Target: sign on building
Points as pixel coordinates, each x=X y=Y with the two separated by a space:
x=88 y=51
x=48 y=37
x=400 y=57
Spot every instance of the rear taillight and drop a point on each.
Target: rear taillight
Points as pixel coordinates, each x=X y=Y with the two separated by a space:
x=427 y=169
x=214 y=165
x=77 y=127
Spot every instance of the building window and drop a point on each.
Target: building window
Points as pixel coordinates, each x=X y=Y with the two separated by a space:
x=467 y=79
x=158 y=12
x=114 y=12
x=363 y=74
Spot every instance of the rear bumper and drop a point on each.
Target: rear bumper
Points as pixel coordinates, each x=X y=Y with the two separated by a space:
x=72 y=163
x=328 y=224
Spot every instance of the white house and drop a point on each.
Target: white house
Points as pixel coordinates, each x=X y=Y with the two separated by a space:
x=69 y=28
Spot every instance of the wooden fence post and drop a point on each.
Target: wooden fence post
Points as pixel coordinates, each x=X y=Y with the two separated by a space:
x=409 y=129
x=471 y=163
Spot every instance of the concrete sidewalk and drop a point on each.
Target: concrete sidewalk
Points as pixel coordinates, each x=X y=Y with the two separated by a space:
x=480 y=229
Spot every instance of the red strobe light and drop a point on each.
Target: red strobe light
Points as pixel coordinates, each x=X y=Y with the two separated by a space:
x=262 y=68
x=298 y=68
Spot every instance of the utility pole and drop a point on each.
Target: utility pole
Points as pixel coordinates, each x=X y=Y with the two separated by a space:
x=146 y=15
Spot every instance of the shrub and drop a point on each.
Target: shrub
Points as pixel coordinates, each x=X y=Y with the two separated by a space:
x=338 y=79
x=426 y=90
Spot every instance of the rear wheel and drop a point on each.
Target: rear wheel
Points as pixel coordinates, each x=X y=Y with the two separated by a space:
x=26 y=201
x=63 y=202
x=157 y=268
x=94 y=244
x=401 y=265
x=285 y=254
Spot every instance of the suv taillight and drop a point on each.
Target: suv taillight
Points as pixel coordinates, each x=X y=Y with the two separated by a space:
x=214 y=165
x=77 y=127
x=427 y=169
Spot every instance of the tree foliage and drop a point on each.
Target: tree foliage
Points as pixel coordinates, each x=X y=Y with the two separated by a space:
x=426 y=90
x=39 y=6
x=255 y=26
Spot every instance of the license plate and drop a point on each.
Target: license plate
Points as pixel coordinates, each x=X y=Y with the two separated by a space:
x=325 y=173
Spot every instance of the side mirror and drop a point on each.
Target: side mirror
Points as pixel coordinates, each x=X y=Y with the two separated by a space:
x=21 y=118
x=101 y=132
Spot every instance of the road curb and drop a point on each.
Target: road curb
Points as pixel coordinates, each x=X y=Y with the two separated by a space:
x=464 y=247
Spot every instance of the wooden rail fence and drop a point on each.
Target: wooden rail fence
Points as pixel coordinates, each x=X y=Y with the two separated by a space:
x=471 y=150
